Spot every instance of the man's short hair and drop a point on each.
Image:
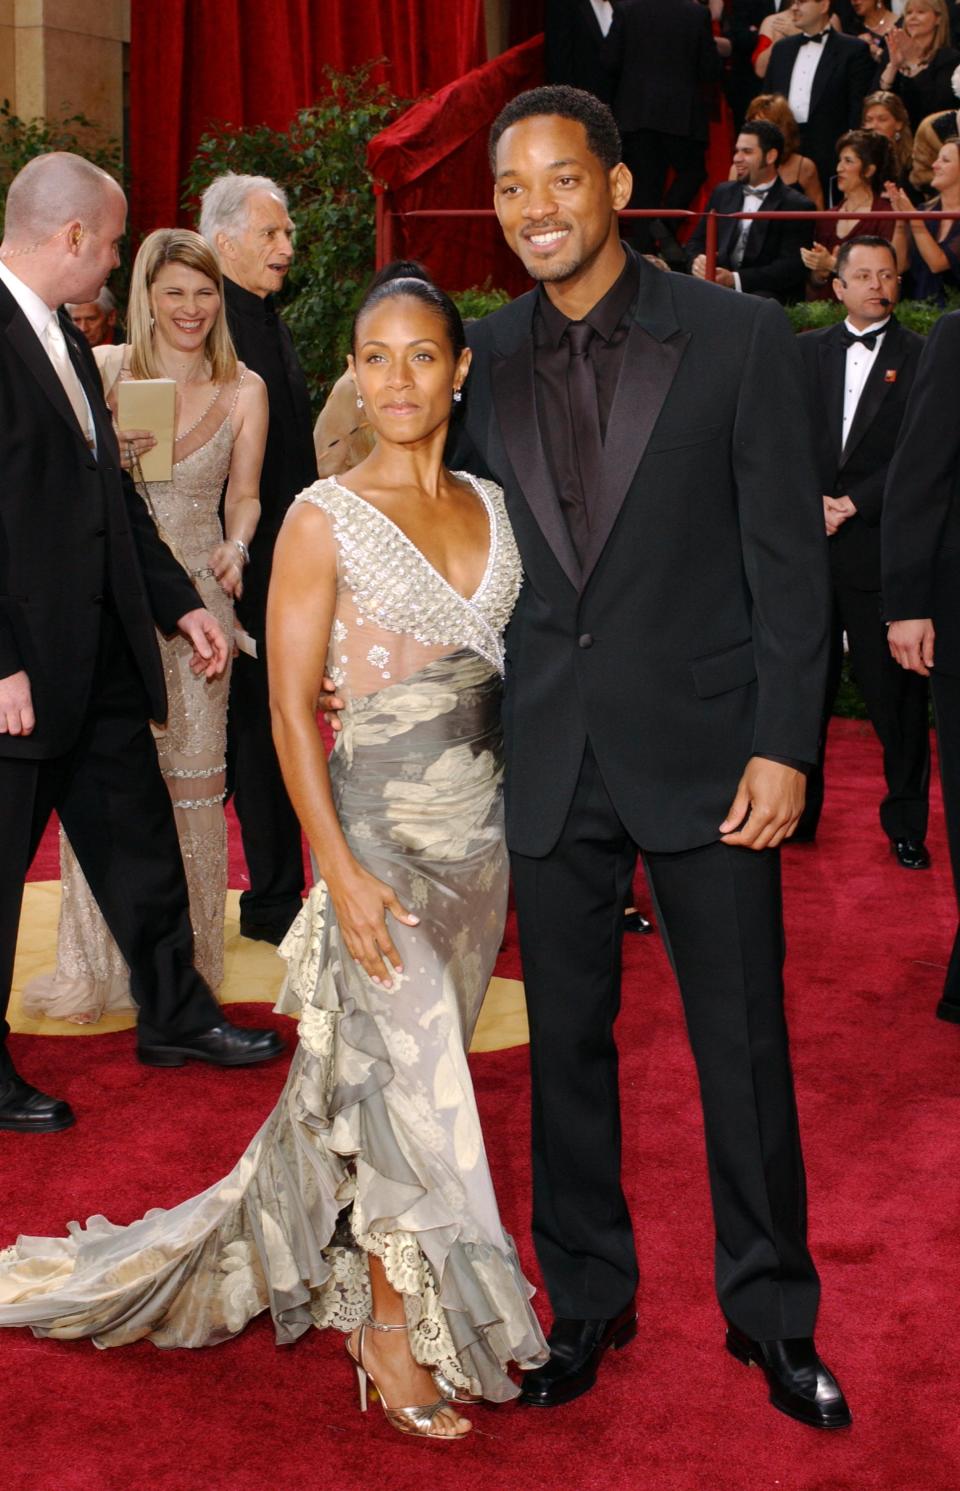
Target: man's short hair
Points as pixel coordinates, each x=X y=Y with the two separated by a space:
x=224 y=205
x=768 y=135
x=52 y=190
x=863 y=240
x=603 y=137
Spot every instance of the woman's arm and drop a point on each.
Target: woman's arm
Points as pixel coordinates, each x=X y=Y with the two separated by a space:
x=241 y=506
x=300 y=611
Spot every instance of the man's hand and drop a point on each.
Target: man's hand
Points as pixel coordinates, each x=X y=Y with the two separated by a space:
x=911 y=644
x=330 y=704
x=836 y=511
x=699 y=269
x=16 y=705
x=767 y=807
x=209 y=644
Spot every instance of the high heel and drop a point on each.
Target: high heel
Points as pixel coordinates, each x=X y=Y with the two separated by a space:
x=417 y=1420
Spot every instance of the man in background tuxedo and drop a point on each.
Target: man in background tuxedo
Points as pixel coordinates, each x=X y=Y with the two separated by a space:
x=665 y=667
x=84 y=580
x=825 y=76
x=760 y=257
x=859 y=377
x=921 y=572
x=574 y=34
x=246 y=222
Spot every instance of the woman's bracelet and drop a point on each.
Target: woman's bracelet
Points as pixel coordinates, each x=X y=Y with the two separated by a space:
x=241 y=549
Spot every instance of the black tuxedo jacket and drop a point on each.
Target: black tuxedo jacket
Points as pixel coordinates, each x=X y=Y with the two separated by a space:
x=663 y=52
x=72 y=532
x=575 y=48
x=921 y=504
x=694 y=634
x=858 y=470
x=841 y=83
x=771 y=264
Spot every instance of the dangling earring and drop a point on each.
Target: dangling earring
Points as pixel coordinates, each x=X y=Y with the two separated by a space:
x=457 y=395
x=359 y=402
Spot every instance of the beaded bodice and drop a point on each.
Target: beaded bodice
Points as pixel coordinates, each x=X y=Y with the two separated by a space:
x=395 y=612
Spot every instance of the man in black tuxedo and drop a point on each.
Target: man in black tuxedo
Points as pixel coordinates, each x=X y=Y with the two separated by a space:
x=84 y=578
x=246 y=223
x=574 y=33
x=859 y=377
x=760 y=257
x=665 y=668
x=825 y=76
x=921 y=571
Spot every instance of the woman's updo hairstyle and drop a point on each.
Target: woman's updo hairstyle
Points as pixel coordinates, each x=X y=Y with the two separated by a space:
x=405 y=277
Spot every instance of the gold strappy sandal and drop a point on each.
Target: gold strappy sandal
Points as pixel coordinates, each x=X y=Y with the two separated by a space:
x=451 y=1392
x=418 y=1420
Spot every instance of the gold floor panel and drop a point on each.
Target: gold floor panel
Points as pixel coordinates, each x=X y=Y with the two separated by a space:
x=252 y=972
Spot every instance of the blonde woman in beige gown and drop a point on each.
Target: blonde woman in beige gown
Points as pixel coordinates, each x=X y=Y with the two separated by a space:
x=178 y=326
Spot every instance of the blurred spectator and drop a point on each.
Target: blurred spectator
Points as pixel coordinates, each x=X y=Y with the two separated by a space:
x=759 y=257
x=825 y=77
x=794 y=169
x=864 y=166
x=922 y=63
x=574 y=33
x=934 y=248
x=873 y=19
x=931 y=133
x=97 y=319
x=885 y=114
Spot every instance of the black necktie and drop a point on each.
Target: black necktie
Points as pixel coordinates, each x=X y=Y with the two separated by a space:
x=585 y=417
x=867 y=339
x=813 y=40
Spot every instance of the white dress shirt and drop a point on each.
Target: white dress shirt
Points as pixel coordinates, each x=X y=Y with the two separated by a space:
x=39 y=314
x=603 y=9
x=752 y=202
x=859 y=362
x=801 y=79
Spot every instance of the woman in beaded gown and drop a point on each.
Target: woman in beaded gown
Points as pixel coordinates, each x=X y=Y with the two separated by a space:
x=178 y=330
x=365 y=1201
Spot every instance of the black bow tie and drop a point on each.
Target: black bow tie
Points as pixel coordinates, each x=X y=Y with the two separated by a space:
x=867 y=339
x=814 y=40
x=758 y=191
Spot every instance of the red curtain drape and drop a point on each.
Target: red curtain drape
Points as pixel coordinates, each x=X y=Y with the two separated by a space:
x=193 y=62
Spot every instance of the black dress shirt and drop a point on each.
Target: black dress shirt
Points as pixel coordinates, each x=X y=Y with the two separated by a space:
x=289 y=463
x=610 y=320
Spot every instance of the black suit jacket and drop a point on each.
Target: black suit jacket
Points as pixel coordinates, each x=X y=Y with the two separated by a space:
x=841 y=83
x=771 y=264
x=663 y=53
x=859 y=469
x=72 y=532
x=694 y=633
x=575 y=51
x=921 y=503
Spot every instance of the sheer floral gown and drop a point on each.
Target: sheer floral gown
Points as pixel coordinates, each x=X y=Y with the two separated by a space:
x=374 y=1145
x=91 y=976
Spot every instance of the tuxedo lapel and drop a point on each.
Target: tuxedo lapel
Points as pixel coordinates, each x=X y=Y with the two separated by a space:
x=889 y=359
x=826 y=69
x=728 y=199
x=832 y=355
x=515 y=402
x=92 y=387
x=25 y=342
x=652 y=356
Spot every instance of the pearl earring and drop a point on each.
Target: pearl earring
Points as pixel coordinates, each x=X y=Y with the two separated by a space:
x=457 y=395
x=359 y=402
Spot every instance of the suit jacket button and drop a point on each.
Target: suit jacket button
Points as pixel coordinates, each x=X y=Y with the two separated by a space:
x=586 y=640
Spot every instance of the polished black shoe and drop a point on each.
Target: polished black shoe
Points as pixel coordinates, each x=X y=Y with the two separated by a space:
x=949 y=1009
x=26 y=1110
x=222 y=1045
x=576 y=1350
x=635 y=921
x=912 y=854
x=272 y=932
x=800 y=1385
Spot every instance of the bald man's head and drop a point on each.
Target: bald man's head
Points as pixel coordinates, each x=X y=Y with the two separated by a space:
x=52 y=191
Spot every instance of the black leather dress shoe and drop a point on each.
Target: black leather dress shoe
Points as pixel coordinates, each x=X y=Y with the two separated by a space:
x=949 y=1009
x=272 y=932
x=800 y=1385
x=912 y=854
x=222 y=1045
x=576 y=1350
x=26 y=1110
x=635 y=921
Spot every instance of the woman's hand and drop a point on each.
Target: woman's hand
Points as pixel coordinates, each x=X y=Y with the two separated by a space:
x=897 y=197
x=819 y=260
x=134 y=445
x=227 y=567
x=361 y=902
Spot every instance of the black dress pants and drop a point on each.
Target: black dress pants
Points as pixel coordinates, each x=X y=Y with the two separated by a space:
x=896 y=702
x=946 y=703
x=719 y=911
x=116 y=810
x=268 y=825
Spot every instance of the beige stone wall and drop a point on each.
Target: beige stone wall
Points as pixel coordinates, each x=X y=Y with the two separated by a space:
x=65 y=56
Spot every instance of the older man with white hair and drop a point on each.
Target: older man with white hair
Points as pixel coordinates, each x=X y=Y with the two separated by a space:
x=96 y=319
x=245 y=220
x=84 y=581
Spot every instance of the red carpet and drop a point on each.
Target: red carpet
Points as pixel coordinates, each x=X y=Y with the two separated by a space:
x=877 y=1079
